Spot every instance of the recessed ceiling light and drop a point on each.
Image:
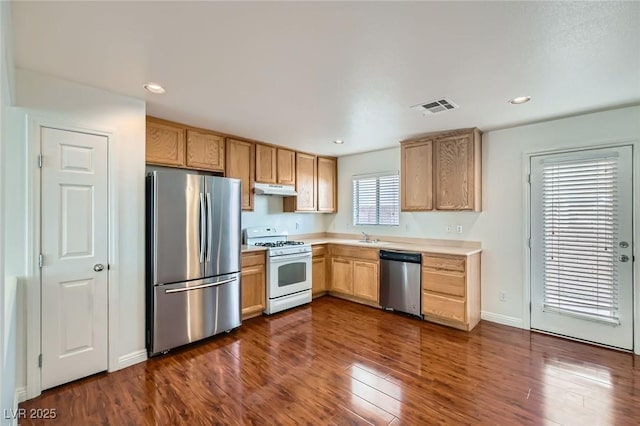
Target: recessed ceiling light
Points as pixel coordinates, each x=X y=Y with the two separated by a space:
x=520 y=100
x=338 y=141
x=154 y=88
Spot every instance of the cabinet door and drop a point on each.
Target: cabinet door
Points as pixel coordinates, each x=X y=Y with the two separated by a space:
x=165 y=144
x=416 y=176
x=365 y=280
x=454 y=173
x=342 y=275
x=306 y=175
x=319 y=268
x=253 y=290
x=265 y=164
x=286 y=166
x=205 y=151
x=241 y=164
x=327 y=184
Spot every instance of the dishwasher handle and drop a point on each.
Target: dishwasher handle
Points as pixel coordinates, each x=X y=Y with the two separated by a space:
x=400 y=256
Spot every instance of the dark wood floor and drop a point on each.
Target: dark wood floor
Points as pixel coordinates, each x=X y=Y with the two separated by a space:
x=336 y=362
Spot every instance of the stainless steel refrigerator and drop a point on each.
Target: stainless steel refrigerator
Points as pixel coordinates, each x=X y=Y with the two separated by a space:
x=193 y=257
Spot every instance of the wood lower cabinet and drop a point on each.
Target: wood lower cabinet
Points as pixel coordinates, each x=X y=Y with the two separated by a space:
x=442 y=171
x=241 y=164
x=342 y=275
x=365 y=280
x=354 y=272
x=253 y=284
x=319 y=270
x=205 y=151
x=451 y=289
x=165 y=143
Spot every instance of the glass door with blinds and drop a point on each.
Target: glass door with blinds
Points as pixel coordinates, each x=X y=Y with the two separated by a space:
x=581 y=248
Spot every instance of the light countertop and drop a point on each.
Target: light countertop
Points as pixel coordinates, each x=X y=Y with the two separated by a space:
x=385 y=245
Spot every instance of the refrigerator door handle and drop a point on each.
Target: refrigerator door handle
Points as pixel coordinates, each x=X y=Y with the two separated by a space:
x=198 y=287
x=203 y=221
x=209 y=227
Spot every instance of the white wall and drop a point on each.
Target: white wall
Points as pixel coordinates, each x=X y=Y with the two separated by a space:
x=268 y=211
x=500 y=226
x=69 y=104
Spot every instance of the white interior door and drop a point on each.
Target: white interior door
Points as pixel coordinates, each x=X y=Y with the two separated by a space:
x=581 y=245
x=74 y=248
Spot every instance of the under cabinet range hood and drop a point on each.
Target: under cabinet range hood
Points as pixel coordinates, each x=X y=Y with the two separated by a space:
x=273 y=189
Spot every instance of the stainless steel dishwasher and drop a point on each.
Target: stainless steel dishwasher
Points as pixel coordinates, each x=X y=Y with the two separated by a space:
x=400 y=281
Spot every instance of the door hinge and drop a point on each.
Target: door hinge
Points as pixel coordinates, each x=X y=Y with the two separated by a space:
x=40 y=360
x=529 y=307
x=529 y=242
x=529 y=178
x=40 y=260
x=40 y=160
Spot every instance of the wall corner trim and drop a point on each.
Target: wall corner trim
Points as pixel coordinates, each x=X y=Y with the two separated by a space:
x=502 y=319
x=132 y=358
x=21 y=395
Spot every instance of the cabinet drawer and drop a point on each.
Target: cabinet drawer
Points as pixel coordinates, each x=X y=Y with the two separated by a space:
x=357 y=252
x=319 y=250
x=452 y=283
x=443 y=307
x=251 y=259
x=450 y=263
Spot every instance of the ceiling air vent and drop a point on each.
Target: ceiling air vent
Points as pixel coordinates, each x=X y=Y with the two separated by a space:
x=435 y=106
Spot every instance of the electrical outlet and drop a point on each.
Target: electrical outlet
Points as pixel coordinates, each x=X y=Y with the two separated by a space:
x=459 y=229
x=503 y=296
x=447 y=229
x=297 y=225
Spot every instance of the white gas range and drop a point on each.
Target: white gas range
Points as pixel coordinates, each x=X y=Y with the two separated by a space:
x=288 y=267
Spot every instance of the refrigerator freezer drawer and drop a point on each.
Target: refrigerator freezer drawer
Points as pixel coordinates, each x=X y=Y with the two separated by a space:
x=190 y=311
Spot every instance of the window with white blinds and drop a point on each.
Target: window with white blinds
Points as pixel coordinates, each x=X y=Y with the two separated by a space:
x=376 y=199
x=580 y=222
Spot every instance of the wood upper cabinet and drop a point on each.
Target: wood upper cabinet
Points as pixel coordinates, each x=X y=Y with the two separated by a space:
x=306 y=185
x=416 y=174
x=241 y=164
x=327 y=184
x=316 y=185
x=205 y=151
x=442 y=171
x=457 y=172
x=286 y=174
x=253 y=284
x=165 y=143
x=266 y=164
x=451 y=289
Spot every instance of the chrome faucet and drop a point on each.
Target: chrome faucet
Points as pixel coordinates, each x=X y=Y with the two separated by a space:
x=365 y=237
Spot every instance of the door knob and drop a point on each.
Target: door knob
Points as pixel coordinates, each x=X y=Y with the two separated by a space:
x=623 y=258
x=624 y=244
x=98 y=267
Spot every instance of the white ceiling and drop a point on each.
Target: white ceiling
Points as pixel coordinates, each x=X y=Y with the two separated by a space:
x=303 y=74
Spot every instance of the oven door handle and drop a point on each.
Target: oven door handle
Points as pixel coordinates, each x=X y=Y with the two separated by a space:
x=277 y=259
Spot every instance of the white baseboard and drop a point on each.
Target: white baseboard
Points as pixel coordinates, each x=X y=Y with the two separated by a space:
x=21 y=395
x=132 y=358
x=501 y=319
